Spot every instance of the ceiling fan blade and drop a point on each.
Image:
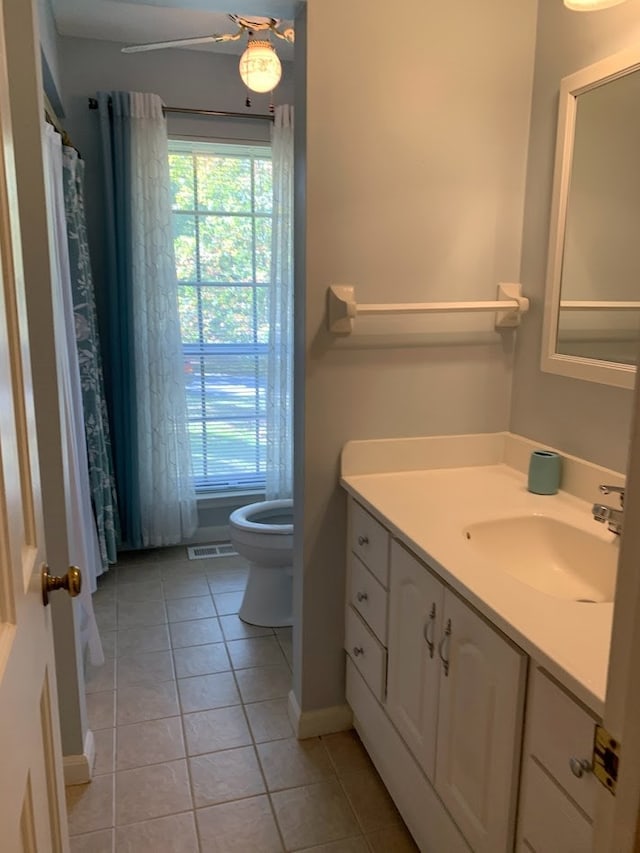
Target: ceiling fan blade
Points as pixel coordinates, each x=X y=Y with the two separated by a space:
x=159 y=45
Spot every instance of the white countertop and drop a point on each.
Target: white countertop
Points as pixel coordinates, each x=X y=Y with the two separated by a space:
x=428 y=511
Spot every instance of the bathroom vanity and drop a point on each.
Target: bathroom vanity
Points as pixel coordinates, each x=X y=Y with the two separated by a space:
x=477 y=656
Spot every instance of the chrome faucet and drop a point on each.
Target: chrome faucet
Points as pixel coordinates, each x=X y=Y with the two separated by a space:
x=614 y=517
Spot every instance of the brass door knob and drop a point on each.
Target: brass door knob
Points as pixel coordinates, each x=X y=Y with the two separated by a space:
x=72 y=582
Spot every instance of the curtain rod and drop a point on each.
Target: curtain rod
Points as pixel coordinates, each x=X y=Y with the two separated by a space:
x=93 y=105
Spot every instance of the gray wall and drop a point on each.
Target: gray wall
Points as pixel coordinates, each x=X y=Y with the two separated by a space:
x=583 y=418
x=414 y=187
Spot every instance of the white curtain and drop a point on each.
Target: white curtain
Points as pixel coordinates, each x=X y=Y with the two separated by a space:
x=167 y=498
x=280 y=359
x=82 y=537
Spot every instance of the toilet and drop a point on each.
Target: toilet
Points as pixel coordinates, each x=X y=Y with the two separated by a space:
x=263 y=534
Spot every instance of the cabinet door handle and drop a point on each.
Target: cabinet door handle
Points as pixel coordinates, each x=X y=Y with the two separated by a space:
x=580 y=766
x=358 y=650
x=429 y=627
x=441 y=647
x=363 y=540
x=362 y=596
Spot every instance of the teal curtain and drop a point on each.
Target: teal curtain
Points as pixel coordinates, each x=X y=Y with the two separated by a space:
x=116 y=309
x=101 y=476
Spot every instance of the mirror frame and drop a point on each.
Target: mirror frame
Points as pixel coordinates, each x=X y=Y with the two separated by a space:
x=576 y=367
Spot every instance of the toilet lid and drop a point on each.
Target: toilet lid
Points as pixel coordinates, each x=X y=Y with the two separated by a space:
x=265 y=517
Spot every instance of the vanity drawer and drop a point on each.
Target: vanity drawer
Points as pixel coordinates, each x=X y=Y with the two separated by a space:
x=560 y=729
x=366 y=653
x=368 y=597
x=549 y=821
x=370 y=541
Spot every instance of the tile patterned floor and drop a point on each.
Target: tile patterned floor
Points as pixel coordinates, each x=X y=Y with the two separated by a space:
x=195 y=752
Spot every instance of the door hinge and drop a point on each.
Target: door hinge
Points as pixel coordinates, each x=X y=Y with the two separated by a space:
x=606 y=758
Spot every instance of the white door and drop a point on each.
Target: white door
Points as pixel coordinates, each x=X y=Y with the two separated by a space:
x=482 y=690
x=32 y=817
x=415 y=620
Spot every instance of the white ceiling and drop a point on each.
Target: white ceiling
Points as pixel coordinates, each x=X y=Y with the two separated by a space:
x=136 y=22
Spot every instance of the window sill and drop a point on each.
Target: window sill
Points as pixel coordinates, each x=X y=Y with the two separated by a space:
x=232 y=498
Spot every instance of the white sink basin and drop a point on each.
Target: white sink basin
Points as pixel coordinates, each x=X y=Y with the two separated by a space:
x=554 y=557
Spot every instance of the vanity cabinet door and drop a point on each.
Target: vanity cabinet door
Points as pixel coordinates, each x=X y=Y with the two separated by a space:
x=481 y=704
x=415 y=619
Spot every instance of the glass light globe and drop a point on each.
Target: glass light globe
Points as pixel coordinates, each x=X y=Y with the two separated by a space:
x=260 y=67
x=590 y=5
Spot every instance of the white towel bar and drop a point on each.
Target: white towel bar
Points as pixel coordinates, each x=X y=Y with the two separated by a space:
x=342 y=308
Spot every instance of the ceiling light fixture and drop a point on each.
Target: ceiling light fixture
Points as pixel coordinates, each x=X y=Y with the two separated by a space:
x=260 y=67
x=590 y=5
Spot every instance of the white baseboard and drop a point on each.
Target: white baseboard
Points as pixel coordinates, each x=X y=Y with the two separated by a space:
x=323 y=721
x=78 y=769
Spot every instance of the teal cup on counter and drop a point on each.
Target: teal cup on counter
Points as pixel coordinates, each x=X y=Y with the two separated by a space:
x=545 y=468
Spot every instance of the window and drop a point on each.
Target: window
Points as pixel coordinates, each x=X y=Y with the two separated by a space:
x=222 y=203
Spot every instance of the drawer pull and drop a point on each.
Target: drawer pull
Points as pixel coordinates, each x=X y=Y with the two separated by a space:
x=441 y=647
x=362 y=596
x=580 y=766
x=358 y=650
x=363 y=540
x=428 y=630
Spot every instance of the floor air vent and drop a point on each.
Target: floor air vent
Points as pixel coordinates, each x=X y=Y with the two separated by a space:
x=203 y=552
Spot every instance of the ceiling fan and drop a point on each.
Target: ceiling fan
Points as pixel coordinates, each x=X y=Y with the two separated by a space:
x=260 y=67
x=246 y=26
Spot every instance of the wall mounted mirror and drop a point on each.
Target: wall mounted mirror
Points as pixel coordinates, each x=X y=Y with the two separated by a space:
x=592 y=305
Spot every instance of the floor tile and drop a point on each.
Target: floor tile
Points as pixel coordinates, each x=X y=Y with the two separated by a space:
x=101 y=710
x=234 y=580
x=100 y=678
x=201 y=660
x=133 y=641
x=144 y=668
x=254 y=651
x=228 y=602
x=136 y=573
x=287 y=650
x=90 y=807
x=105 y=613
x=173 y=834
x=370 y=801
x=393 y=840
x=108 y=640
x=292 y=763
x=195 y=633
x=228 y=563
x=347 y=845
x=137 y=614
x=105 y=751
x=153 y=791
x=347 y=753
x=185 y=586
x=246 y=826
x=151 y=742
x=264 y=682
x=93 y=842
x=183 y=609
x=207 y=691
x=147 y=702
x=314 y=814
x=234 y=628
x=181 y=568
x=150 y=590
x=220 y=728
x=269 y=720
x=223 y=776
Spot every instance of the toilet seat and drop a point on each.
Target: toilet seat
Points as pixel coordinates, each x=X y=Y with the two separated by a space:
x=261 y=517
